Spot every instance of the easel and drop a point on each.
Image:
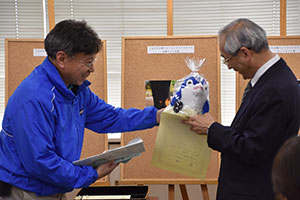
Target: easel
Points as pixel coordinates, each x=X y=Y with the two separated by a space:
x=171 y=186
x=184 y=194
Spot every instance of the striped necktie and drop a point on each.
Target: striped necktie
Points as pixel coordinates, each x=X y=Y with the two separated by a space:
x=247 y=89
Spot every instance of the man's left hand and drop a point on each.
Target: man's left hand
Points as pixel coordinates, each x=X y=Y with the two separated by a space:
x=199 y=123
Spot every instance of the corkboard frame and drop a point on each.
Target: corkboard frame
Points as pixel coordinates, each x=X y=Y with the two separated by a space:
x=136 y=64
x=19 y=62
x=292 y=59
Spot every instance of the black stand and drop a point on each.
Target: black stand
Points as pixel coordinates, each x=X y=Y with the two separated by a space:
x=108 y=192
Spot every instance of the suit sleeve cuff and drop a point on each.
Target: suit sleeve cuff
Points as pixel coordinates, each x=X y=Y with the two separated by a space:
x=207 y=131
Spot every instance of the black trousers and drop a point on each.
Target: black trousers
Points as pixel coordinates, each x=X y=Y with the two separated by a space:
x=5 y=189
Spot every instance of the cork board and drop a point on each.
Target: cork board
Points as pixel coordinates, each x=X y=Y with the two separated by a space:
x=19 y=63
x=292 y=59
x=139 y=66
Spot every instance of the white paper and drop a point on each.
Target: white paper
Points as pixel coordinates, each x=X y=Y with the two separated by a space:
x=170 y=49
x=120 y=154
x=285 y=49
x=105 y=197
x=39 y=52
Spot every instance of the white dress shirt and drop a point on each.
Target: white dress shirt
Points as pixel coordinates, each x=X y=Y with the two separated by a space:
x=263 y=69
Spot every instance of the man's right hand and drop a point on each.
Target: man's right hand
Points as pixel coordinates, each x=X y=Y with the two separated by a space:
x=106 y=168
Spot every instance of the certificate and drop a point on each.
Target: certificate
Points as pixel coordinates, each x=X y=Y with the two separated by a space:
x=180 y=150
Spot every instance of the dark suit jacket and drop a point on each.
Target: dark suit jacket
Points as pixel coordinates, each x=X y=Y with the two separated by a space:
x=268 y=116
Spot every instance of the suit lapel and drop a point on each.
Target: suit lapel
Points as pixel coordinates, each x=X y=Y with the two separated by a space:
x=260 y=84
x=244 y=106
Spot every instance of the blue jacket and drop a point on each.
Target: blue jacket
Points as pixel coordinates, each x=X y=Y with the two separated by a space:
x=43 y=128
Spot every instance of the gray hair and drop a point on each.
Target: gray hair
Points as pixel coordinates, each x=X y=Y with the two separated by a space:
x=243 y=33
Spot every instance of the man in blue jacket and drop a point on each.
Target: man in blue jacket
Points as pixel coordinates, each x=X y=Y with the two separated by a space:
x=44 y=121
x=268 y=116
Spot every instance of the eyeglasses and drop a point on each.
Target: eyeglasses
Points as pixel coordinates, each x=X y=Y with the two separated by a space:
x=88 y=64
x=226 y=61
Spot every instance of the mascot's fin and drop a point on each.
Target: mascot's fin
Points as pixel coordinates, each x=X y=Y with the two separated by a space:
x=205 y=107
x=176 y=97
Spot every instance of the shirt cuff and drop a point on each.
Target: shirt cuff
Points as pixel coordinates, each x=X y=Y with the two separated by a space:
x=208 y=128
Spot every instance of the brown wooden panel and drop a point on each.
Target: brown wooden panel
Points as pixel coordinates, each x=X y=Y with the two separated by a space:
x=137 y=67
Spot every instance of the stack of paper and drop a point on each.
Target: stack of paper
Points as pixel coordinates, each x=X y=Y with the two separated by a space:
x=121 y=154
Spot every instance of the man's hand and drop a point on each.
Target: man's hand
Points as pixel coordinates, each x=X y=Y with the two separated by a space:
x=199 y=123
x=106 y=168
x=158 y=114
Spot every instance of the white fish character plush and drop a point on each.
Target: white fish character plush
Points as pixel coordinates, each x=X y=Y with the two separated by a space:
x=192 y=96
x=191 y=93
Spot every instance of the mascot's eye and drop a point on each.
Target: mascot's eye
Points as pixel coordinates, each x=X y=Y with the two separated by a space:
x=189 y=82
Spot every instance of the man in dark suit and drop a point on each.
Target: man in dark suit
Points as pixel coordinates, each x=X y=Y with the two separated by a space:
x=268 y=116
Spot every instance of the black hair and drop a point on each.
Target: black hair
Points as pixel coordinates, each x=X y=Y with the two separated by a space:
x=286 y=170
x=72 y=37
